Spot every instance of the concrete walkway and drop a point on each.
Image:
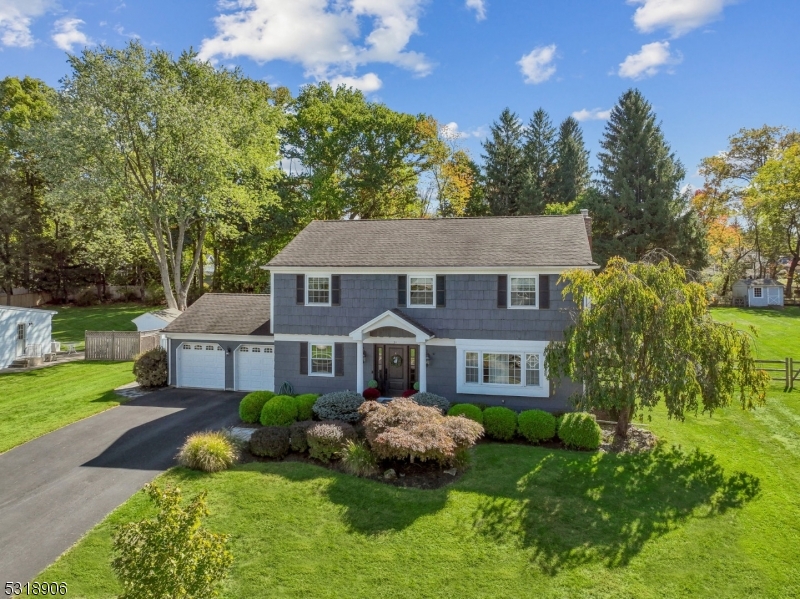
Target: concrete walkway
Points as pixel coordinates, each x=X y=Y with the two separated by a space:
x=57 y=487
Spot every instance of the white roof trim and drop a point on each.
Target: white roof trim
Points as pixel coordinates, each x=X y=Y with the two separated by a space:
x=20 y=309
x=389 y=319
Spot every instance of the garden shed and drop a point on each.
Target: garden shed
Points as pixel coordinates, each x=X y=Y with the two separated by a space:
x=757 y=293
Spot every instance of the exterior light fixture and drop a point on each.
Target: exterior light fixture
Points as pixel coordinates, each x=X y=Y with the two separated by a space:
x=364 y=356
x=427 y=359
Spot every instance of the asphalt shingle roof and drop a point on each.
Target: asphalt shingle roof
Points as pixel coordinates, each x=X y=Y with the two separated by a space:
x=225 y=314
x=441 y=242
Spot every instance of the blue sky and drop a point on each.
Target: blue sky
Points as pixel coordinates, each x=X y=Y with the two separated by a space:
x=709 y=67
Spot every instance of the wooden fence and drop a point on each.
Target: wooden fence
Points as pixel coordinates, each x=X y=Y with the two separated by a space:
x=782 y=371
x=119 y=345
x=24 y=300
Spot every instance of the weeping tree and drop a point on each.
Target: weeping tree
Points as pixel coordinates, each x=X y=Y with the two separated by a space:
x=648 y=335
x=174 y=146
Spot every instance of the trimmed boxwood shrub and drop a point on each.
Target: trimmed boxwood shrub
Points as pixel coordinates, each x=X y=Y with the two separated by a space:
x=297 y=435
x=305 y=404
x=150 y=368
x=327 y=439
x=580 y=429
x=251 y=405
x=500 y=423
x=270 y=442
x=342 y=405
x=371 y=393
x=536 y=425
x=281 y=410
x=468 y=410
x=431 y=400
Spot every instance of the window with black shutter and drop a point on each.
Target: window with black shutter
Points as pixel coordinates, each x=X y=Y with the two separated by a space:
x=336 y=290
x=401 y=290
x=304 y=357
x=338 y=356
x=502 y=291
x=544 y=292
x=301 y=289
x=441 y=291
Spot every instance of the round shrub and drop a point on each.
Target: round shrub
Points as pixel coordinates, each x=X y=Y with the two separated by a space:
x=327 y=439
x=468 y=410
x=251 y=405
x=297 y=435
x=208 y=452
x=372 y=384
x=500 y=423
x=281 y=410
x=536 y=425
x=150 y=368
x=342 y=405
x=371 y=393
x=270 y=442
x=580 y=429
x=305 y=403
x=408 y=393
x=431 y=400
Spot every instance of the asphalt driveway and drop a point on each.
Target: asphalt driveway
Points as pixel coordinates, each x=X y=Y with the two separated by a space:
x=55 y=488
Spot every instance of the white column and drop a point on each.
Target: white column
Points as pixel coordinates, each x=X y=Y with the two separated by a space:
x=359 y=366
x=423 y=368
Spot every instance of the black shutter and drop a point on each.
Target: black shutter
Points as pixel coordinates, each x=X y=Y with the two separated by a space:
x=336 y=290
x=338 y=354
x=401 y=290
x=441 y=291
x=502 y=291
x=304 y=357
x=544 y=292
x=301 y=289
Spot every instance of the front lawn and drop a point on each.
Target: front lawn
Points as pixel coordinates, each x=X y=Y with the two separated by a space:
x=72 y=322
x=36 y=402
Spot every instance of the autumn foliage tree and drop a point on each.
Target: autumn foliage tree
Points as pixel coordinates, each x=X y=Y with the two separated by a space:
x=648 y=336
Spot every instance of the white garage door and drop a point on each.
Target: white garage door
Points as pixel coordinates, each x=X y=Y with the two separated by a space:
x=201 y=365
x=255 y=366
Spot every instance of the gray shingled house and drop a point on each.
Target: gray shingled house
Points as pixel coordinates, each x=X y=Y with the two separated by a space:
x=464 y=307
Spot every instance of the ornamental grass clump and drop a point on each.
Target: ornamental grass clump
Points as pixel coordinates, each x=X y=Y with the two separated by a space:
x=342 y=405
x=431 y=400
x=210 y=451
x=305 y=404
x=251 y=405
x=500 y=423
x=358 y=459
x=326 y=440
x=580 y=430
x=281 y=410
x=405 y=430
x=467 y=410
x=270 y=442
x=536 y=425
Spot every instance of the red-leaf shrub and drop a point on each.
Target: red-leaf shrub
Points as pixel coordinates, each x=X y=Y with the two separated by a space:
x=409 y=392
x=405 y=430
x=371 y=393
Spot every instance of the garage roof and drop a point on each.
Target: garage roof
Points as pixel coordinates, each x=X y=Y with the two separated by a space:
x=225 y=314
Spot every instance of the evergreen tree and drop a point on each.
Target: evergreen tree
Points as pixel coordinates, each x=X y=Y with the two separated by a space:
x=640 y=207
x=571 y=176
x=540 y=163
x=505 y=167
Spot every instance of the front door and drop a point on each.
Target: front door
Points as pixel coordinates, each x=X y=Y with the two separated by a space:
x=21 y=331
x=396 y=370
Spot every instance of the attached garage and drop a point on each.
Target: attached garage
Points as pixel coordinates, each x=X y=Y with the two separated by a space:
x=255 y=368
x=201 y=365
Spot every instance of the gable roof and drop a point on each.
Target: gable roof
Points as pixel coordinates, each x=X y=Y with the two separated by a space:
x=760 y=282
x=165 y=314
x=441 y=242
x=394 y=318
x=226 y=314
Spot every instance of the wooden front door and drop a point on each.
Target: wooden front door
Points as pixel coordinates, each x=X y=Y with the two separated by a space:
x=396 y=370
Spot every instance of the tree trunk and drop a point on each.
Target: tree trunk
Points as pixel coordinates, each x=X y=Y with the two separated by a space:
x=623 y=420
x=790 y=275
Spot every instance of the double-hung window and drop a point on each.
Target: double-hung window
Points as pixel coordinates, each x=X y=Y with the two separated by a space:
x=318 y=290
x=757 y=292
x=421 y=291
x=522 y=291
x=502 y=368
x=321 y=358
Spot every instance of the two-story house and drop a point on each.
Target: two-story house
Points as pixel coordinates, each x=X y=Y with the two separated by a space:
x=463 y=307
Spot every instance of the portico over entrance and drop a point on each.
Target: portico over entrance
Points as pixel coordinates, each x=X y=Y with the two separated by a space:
x=400 y=351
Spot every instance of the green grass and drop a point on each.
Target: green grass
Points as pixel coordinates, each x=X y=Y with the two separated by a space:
x=714 y=513
x=39 y=401
x=72 y=322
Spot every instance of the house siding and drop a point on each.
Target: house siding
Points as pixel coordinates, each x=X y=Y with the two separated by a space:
x=287 y=369
x=38 y=334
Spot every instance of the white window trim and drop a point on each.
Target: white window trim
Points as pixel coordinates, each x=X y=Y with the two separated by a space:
x=493 y=346
x=330 y=290
x=408 y=290
x=508 y=291
x=332 y=345
x=760 y=293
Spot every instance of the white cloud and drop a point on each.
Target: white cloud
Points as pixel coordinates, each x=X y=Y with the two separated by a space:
x=325 y=37
x=368 y=82
x=595 y=114
x=452 y=131
x=16 y=17
x=537 y=64
x=648 y=61
x=479 y=6
x=678 y=16
x=66 y=34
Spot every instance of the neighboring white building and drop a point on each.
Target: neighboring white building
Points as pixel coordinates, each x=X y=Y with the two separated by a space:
x=156 y=320
x=24 y=332
x=757 y=293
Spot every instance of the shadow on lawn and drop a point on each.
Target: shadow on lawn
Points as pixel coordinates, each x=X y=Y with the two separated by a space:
x=569 y=508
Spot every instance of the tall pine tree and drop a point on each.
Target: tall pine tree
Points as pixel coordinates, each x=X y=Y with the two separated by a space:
x=540 y=163
x=505 y=167
x=640 y=207
x=571 y=176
